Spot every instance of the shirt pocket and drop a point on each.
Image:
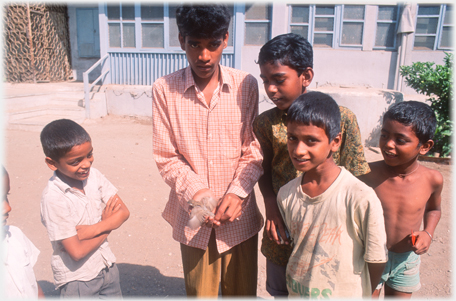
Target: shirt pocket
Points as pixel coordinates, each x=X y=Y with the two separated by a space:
x=94 y=207
x=231 y=141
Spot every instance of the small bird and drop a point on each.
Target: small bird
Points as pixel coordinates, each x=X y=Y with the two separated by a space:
x=200 y=210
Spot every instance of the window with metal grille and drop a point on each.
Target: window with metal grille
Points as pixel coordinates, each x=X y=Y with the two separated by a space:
x=343 y=26
x=147 y=26
x=257 y=23
x=434 y=27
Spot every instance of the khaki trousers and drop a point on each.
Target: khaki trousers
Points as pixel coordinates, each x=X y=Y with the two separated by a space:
x=237 y=267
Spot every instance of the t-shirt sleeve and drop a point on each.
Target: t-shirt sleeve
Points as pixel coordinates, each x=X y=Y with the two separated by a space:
x=285 y=199
x=374 y=233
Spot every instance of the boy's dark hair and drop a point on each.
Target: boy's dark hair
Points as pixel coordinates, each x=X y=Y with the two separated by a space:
x=318 y=109
x=59 y=137
x=203 y=21
x=416 y=114
x=290 y=50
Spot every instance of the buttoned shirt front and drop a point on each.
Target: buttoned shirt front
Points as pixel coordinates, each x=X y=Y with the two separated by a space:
x=62 y=209
x=198 y=146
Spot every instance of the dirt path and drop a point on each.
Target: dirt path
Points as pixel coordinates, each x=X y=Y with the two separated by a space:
x=149 y=259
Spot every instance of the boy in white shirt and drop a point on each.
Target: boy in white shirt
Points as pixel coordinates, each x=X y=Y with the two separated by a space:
x=19 y=256
x=79 y=208
x=335 y=221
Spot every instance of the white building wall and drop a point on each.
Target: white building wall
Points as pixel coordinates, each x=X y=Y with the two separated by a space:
x=346 y=67
x=354 y=68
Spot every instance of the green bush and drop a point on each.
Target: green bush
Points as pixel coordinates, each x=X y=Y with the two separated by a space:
x=437 y=83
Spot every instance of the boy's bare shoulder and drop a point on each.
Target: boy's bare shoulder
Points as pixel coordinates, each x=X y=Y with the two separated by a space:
x=377 y=166
x=434 y=177
x=376 y=175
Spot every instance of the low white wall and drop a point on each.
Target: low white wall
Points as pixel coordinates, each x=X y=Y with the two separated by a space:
x=367 y=104
x=129 y=100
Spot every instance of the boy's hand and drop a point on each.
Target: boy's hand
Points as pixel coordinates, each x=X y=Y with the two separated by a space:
x=422 y=242
x=111 y=206
x=274 y=222
x=228 y=209
x=201 y=194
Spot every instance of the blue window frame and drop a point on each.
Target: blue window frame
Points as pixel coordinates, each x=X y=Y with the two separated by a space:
x=147 y=27
x=386 y=29
x=257 y=23
x=352 y=29
x=434 y=27
x=342 y=26
x=300 y=20
x=324 y=26
x=329 y=26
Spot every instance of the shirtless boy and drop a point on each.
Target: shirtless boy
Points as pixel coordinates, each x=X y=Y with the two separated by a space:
x=410 y=193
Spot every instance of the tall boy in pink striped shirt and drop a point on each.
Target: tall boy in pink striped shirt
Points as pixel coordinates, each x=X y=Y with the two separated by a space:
x=204 y=146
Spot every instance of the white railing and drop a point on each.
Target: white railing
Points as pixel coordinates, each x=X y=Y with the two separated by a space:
x=88 y=87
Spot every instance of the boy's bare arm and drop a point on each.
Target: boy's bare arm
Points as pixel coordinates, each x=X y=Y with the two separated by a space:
x=274 y=220
x=431 y=215
x=375 y=273
x=113 y=216
x=78 y=249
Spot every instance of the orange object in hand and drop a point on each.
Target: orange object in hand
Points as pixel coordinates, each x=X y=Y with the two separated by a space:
x=413 y=239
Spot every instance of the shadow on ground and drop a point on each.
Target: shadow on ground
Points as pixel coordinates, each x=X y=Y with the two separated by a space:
x=147 y=281
x=137 y=281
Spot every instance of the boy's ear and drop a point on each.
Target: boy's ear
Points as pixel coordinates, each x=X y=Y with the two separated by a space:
x=335 y=143
x=425 y=147
x=181 y=41
x=51 y=163
x=225 y=40
x=307 y=77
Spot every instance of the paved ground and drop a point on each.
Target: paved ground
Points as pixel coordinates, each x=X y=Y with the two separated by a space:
x=149 y=259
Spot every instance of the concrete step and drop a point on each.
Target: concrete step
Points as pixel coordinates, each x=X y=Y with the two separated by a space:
x=75 y=111
x=17 y=104
x=37 y=122
x=32 y=106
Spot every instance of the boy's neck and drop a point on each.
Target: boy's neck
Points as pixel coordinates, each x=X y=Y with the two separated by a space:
x=304 y=90
x=317 y=180
x=403 y=170
x=75 y=184
x=207 y=83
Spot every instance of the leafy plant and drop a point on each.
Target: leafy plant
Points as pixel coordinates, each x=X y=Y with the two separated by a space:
x=437 y=83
